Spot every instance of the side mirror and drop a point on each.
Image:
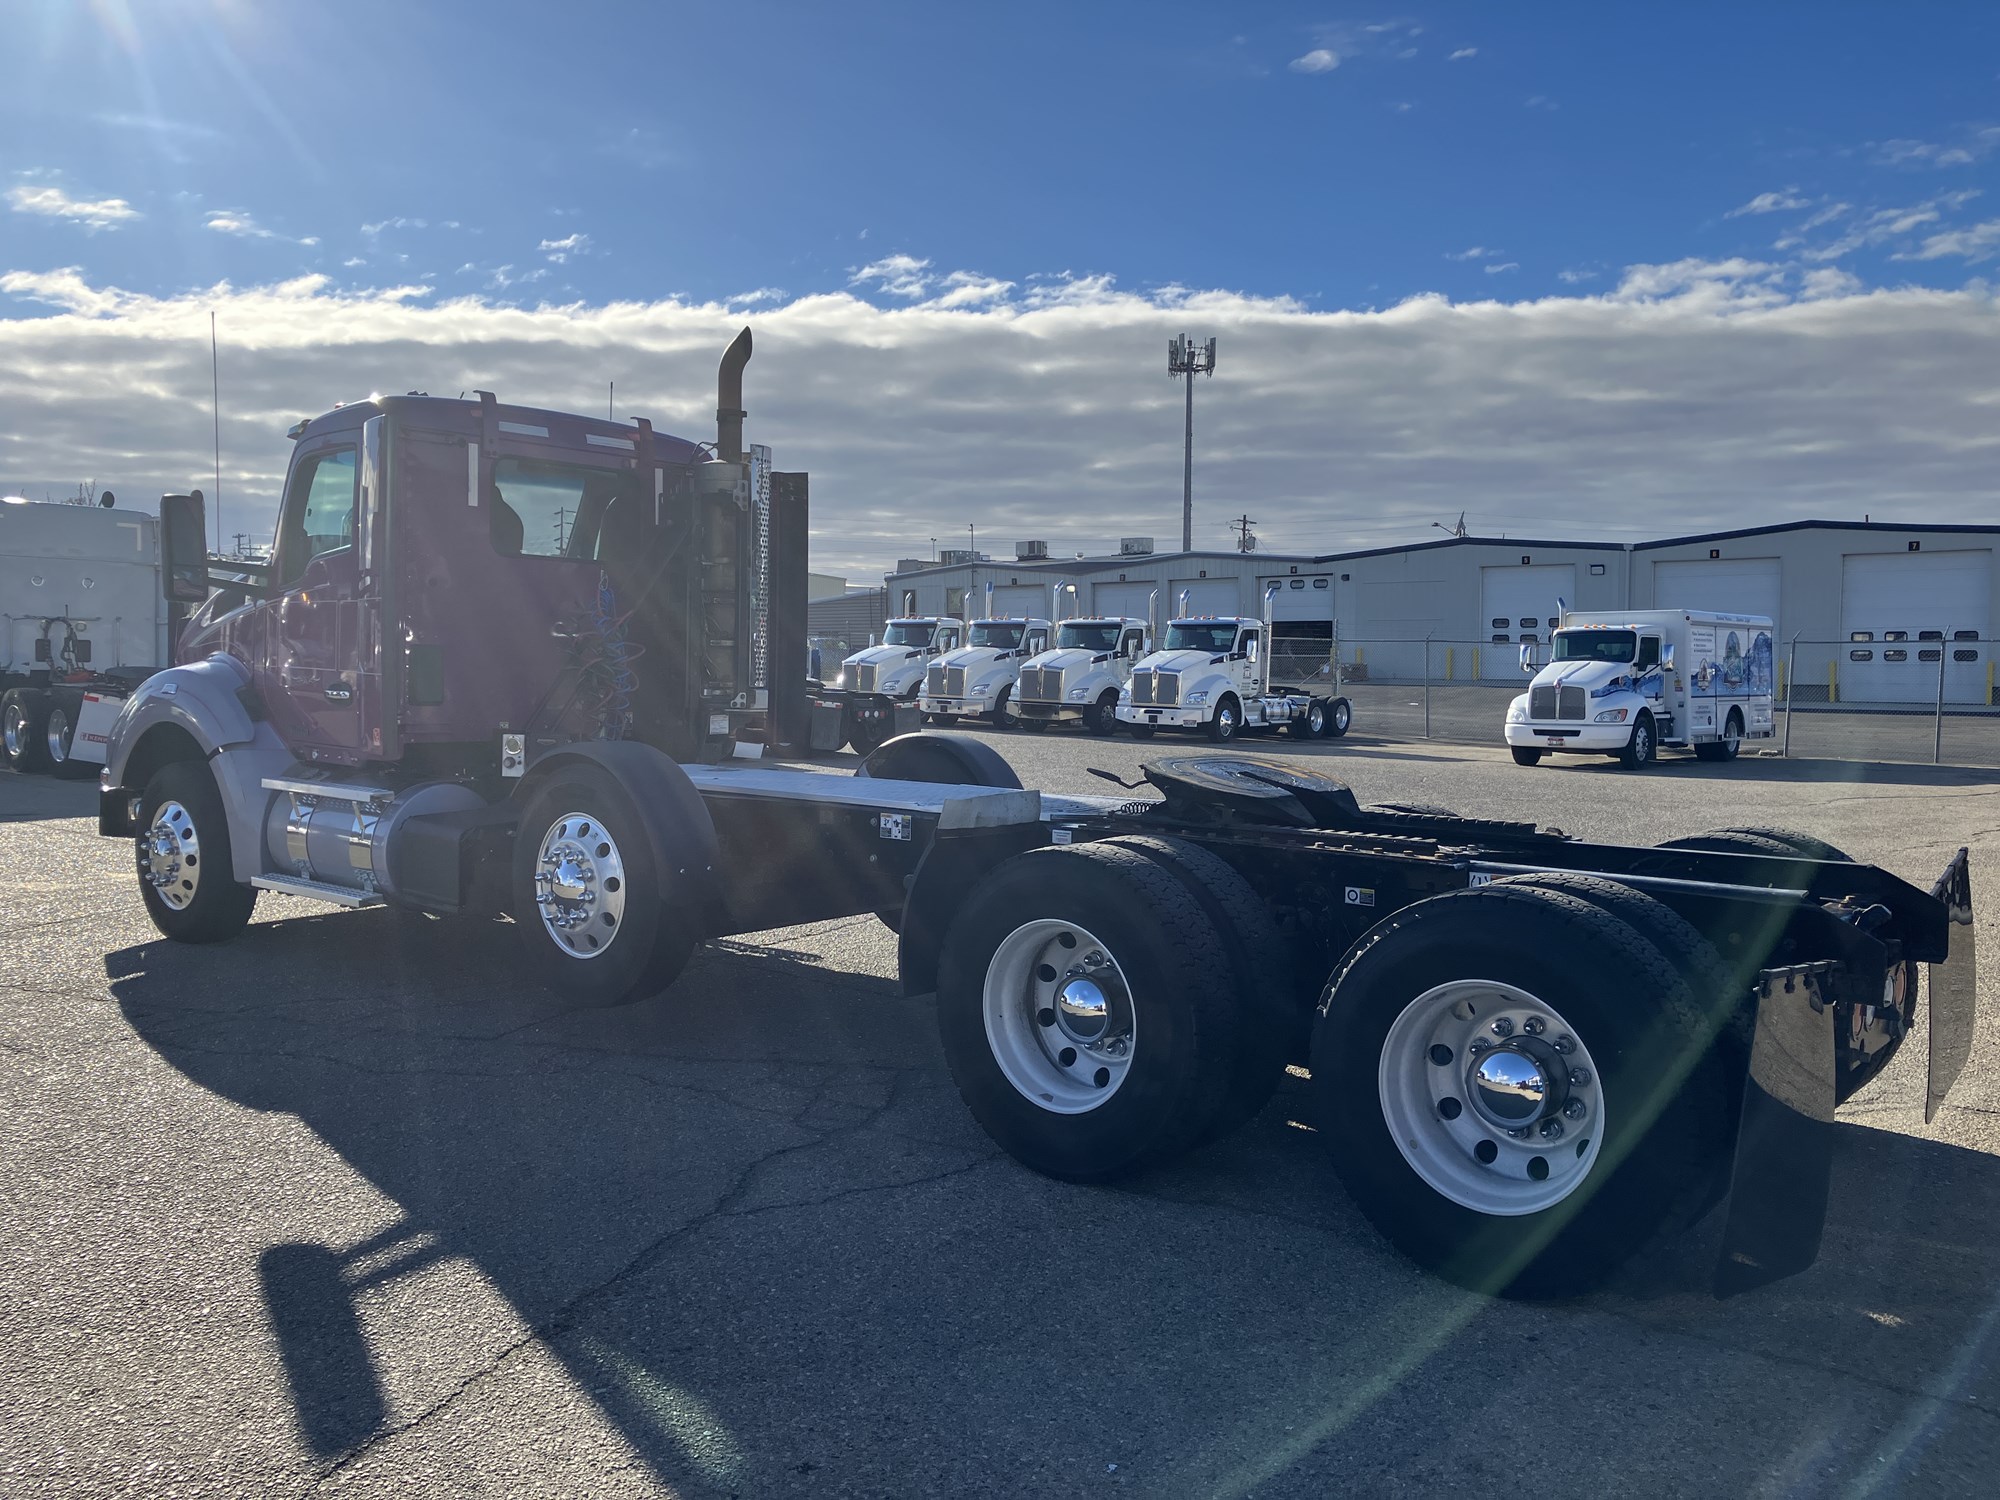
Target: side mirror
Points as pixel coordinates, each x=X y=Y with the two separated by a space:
x=184 y=547
x=1527 y=657
x=1667 y=657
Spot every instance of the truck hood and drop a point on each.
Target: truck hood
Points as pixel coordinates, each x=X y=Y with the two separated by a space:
x=1588 y=675
x=882 y=656
x=1065 y=659
x=973 y=658
x=1175 y=661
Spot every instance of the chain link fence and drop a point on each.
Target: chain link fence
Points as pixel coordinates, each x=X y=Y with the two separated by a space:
x=1918 y=696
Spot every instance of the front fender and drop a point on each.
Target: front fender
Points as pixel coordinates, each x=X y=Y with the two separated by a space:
x=200 y=698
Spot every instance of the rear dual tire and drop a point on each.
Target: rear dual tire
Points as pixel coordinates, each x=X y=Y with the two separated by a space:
x=24 y=727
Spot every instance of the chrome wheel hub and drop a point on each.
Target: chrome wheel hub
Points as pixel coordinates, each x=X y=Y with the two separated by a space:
x=1492 y=1097
x=1059 y=1016
x=580 y=886
x=170 y=855
x=13 y=730
x=58 y=736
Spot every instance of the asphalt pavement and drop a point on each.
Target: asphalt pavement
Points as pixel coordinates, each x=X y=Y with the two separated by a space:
x=345 y=1207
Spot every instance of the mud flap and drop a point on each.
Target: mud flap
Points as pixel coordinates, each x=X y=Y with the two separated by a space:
x=1954 y=987
x=1784 y=1147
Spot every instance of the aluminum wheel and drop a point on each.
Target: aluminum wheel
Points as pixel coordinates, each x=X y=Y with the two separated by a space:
x=1059 y=1016
x=1492 y=1097
x=14 y=730
x=1343 y=715
x=170 y=855
x=580 y=885
x=59 y=736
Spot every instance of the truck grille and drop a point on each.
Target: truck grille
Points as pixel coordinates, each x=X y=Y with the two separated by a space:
x=864 y=678
x=934 y=682
x=954 y=682
x=1142 y=687
x=1549 y=702
x=1040 y=685
x=1166 y=687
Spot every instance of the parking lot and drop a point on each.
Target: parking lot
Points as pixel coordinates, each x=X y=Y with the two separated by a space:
x=344 y=1207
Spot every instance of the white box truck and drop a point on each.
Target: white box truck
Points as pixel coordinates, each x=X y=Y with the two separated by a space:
x=1627 y=683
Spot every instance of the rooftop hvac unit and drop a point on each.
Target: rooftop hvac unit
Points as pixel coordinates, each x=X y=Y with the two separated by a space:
x=1030 y=551
x=955 y=557
x=912 y=564
x=1135 y=546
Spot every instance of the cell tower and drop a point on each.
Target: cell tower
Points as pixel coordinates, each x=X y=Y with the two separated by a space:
x=1186 y=357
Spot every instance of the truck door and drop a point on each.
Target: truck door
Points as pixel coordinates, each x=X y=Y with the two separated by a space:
x=1131 y=646
x=1652 y=682
x=1245 y=660
x=312 y=677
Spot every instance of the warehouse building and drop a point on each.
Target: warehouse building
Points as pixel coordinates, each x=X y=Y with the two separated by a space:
x=1876 y=609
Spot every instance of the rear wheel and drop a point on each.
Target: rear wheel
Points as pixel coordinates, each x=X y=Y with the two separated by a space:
x=1731 y=743
x=588 y=900
x=1101 y=718
x=1340 y=718
x=24 y=717
x=1080 y=1011
x=1527 y=755
x=1311 y=724
x=59 y=737
x=186 y=876
x=1516 y=1087
x=870 y=735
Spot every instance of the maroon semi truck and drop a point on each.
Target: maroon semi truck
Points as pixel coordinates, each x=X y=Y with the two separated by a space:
x=506 y=662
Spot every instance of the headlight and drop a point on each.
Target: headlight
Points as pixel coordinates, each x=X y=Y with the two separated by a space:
x=1611 y=716
x=982 y=691
x=1077 y=695
x=1196 y=698
x=1124 y=695
x=1517 y=713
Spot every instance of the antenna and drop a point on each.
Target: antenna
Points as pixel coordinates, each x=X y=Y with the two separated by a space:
x=1185 y=357
x=1455 y=530
x=215 y=408
x=611 y=403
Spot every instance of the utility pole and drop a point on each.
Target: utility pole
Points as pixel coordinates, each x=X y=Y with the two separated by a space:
x=215 y=409
x=1186 y=357
x=1245 y=540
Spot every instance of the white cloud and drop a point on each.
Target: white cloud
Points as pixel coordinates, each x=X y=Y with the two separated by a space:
x=1724 y=393
x=1462 y=54
x=899 y=275
x=1973 y=242
x=1975 y=146
x=1885 y=226
x=371 y=230
x=1510 y=265
x=559 y=251
x=1542 y=102
x=1476 y=252
x=352 y=261
x=1574 y=277
x=1319 y=60
x=241 y=226
x=53 y=203
x=1784 y=200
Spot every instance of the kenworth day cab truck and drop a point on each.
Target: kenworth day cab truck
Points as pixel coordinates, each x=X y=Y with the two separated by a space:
x=1078 y=679
x=82 y=621
x=877 y=682
x=979 y=677
x=1213 y=673
x=1530 y=1054
x=1625 y=684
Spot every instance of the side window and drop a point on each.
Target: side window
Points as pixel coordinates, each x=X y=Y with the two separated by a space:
x=1649 y=652
x=947 y=640
x=319 y=510
x=542 y=509
x=1038 y=642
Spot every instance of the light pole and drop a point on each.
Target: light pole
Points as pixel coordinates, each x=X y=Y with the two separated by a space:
x=1186 y=357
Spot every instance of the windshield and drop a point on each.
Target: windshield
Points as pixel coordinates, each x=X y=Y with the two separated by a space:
x=1006 y=634
x=1088 y=637
x=1202 y=635
x=1594 y=645
x=908 y=633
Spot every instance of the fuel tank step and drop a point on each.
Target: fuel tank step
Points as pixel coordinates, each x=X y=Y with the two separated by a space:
x=317 y=890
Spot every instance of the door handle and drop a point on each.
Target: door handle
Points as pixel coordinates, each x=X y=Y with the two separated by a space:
x=337 y=692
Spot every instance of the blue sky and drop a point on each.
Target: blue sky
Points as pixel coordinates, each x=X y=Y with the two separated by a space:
x=1571 y=268
x=712 y=151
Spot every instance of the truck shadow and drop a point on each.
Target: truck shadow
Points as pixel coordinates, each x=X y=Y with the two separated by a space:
x=752 y=1221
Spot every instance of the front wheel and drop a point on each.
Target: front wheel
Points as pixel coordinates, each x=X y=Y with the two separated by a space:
x=1000 y=717
x=1228 y=719
x=1518 y=1088
x=1101 y=718
x=1142 y=731
x=1527 y=755
x=588 y=899
x=1641 y=750
x=186 y=875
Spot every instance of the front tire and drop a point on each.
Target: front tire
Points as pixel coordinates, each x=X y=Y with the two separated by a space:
x=1081 y=1015
x=1143 y=731
x=999 y=717
x=187 y=877
x=1228 y=719
x=588 y=899
x=1505 y=1004
x=1101 y=719
x=1527 y=755
x=1642 y=749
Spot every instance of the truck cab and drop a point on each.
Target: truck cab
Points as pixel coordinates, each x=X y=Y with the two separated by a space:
x=1627 y=685
x=1208 y=665
x=1078 y=679
x=979 y=678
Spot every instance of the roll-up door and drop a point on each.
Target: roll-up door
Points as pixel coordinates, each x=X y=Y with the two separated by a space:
x=1906 y=613
x=1519 y=604
x=1729 y=585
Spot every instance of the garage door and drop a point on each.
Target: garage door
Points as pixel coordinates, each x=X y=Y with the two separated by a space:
x=1906 y=613
x=1122 y=599
x=1301 y=597
x=1030 y=600
x=1519 y=604
x=1207 y=596
x=1730 y=585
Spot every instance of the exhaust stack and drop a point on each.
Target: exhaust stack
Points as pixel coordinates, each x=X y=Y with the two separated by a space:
x=729 y=412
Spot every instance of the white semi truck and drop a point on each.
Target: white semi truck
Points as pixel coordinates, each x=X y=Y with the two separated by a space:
x=1078 y=680
x=1213 y=673
x=879 y=680
x=83 y=619
x=979 y=678
x=1625 y=684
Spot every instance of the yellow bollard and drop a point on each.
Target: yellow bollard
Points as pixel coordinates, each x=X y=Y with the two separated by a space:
x=1358 y=659
x=1447 y=662
x=1833 y=680
x=1989 y=682
x=1781 y=684
x=1475 y=664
